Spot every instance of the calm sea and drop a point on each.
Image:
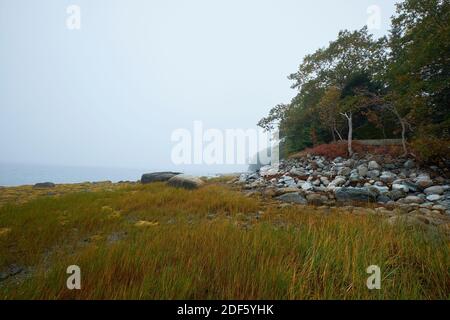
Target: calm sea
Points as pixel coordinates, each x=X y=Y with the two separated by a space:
x=25 y=174
x=21 y=174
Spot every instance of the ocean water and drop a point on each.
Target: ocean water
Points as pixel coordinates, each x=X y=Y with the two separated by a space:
x=25 y=174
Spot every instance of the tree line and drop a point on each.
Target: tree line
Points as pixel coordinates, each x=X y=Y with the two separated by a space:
x=397 y=86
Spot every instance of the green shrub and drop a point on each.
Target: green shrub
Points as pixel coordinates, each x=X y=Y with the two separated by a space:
x=431 y=149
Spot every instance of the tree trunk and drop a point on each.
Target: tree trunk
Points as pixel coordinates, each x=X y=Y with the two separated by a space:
x=334 y=136
x=403 y=125
x=350 y=134
x=338 y=133
x=405 y=150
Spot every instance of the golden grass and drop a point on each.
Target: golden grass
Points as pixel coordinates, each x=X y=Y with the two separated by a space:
x=156 y=242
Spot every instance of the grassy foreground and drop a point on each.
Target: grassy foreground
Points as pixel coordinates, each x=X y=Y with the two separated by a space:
x=156 y=242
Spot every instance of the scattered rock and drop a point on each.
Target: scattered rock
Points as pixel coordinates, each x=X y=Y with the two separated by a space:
x=373 y=174
x=383 y=198
x=405 y=220
x=401 y=187
x=345 y=171
x=424 y=181
x=281 y=191
x=412 y=199
x=409 y=164
x=338 y=181
x=316 y=199
x=411 y=186
x=387 y=177
x=434 y=197
x=398 y=185
x=268 y=171
x=10 y=271
x=434 y=190
x=299 y=173
x=396 y=194
x=373 y=165
x=307 y=186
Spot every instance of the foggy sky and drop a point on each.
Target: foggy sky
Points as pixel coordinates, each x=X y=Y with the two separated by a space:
x=111 y=93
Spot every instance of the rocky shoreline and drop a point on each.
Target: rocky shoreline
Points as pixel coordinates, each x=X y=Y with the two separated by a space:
x=380 y=184
x=371 y=184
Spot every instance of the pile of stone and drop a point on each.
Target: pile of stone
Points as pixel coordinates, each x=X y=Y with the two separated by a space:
x=376 y=179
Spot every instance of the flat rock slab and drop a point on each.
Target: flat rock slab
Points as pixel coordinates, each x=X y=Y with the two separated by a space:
x=158 y=176
x=44 y=185
x=12 y=270
x=293 y=197
x=356 y=194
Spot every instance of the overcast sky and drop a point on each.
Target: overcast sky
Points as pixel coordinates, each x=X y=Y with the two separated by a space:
x=111 y=93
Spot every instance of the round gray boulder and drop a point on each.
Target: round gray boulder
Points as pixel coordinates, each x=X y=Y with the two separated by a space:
x=185 y=181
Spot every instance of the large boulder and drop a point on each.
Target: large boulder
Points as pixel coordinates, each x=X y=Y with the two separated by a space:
x=299 y=173
x=354 y=177
x=307 y=186
x=434 y=190
x=185 y=181
x=373 y=165
x=383 y=198
x=407 y=220
x=324 y=181
x=381 y=189
x=411 y=186
x=293 y=197
x=434 y=197
x=412 y=200
x=269 y=171
x=396 y=194
x=387 y=177
x=44 y=185
x=424 y=181
x=158 y=176
x=338 y=181
x=400 y=186
x=281 y=191
x=344 y=171
x=316 y=199
x=357 y=194
x=373 y=174
x=409 y=164
x=363 y=170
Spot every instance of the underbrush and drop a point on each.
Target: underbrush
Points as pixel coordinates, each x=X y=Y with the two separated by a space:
x=339 y=149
